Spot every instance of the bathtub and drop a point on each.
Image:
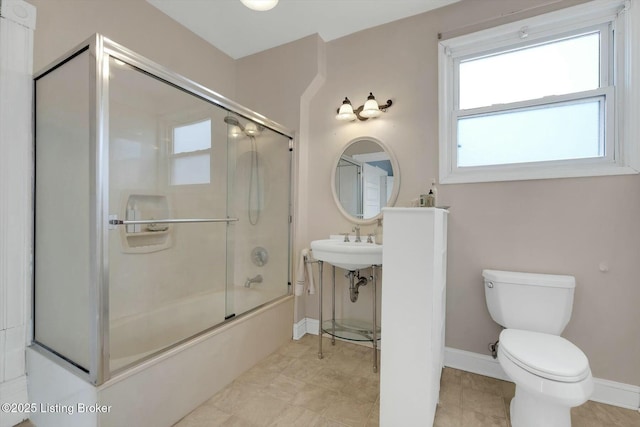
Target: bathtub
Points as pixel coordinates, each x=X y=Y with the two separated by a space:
x=135 y=337
x=168 y=384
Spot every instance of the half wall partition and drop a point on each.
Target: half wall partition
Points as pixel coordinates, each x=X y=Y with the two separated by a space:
x=162 y=210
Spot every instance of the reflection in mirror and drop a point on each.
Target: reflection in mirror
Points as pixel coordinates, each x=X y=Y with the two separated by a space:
x=364 y=179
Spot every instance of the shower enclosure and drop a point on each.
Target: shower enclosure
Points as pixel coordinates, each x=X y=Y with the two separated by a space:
x=162 y=210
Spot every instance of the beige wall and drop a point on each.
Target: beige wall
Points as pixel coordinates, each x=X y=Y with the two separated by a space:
x=273 y=81
x=567 y=226
x=63 y=24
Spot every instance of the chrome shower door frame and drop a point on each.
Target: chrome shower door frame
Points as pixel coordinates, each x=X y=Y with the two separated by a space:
x=101 y=49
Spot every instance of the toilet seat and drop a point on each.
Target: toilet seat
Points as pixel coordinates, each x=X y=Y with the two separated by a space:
x=547 y=356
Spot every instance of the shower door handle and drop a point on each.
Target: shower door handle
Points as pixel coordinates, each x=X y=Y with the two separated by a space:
x=113 y=220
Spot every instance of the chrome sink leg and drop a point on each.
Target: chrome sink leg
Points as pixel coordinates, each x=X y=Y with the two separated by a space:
x=333 y=310
x=320 y=265
x=375 y=328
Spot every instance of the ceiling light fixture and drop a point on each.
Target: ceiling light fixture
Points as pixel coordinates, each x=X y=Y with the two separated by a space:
x=260 y=5
x=369 y=110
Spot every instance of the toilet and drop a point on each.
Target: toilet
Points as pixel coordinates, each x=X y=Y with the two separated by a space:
x=551 y=374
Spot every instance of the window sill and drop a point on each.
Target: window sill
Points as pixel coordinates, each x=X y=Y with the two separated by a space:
x=525 y=174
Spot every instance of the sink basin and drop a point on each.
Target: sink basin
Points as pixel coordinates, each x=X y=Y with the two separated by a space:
x=347 y=255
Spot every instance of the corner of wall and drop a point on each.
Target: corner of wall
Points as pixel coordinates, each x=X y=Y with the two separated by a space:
x=301 y=165
x=303 y=140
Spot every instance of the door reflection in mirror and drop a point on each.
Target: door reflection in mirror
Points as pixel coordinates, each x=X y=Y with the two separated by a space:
x=364 y=179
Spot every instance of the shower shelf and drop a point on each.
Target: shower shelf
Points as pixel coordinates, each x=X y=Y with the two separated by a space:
x=146 y=206
x=147 y=241
x=147 y=233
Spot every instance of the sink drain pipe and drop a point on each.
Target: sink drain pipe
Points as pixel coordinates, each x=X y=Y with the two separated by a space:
x=354 y=286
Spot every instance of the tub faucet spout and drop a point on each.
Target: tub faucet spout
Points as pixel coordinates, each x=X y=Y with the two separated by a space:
x=250 y=280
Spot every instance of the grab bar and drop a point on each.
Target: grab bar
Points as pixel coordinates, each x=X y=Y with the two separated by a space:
x=169 y=221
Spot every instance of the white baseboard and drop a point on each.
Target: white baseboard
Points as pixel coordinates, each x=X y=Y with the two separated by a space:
x=605 y=391
x=299 y=329
x=13 y=391
x=305 y=326
x=617 y=394
x=474 y=362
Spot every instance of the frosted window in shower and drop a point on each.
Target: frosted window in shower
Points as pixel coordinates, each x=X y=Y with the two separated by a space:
x=190 y=157
x=192 y=137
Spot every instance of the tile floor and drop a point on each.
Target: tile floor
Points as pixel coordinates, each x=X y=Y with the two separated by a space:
x=470 y=400
x=292 y=387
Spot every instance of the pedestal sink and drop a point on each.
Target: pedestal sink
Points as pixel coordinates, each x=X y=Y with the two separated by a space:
x=351 y=256
x=348 y=255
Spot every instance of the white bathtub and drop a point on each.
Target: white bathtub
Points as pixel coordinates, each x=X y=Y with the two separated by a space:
x=167 y=386
x=135 y=337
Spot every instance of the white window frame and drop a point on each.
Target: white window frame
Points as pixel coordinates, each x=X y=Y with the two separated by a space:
x=619 y=87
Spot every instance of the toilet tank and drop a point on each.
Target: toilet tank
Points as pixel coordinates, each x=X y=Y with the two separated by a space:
x=529 y=301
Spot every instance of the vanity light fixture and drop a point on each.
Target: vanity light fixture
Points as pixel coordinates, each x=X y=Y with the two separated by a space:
x=369 y=110
x=260 y=5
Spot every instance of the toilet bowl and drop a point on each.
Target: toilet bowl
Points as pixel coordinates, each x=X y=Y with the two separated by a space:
x=551 y=374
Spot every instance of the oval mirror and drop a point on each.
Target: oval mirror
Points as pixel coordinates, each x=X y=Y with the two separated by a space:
x=365 y=178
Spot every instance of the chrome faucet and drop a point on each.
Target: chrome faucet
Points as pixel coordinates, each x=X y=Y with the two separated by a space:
x=250 y=280
x=356 y=228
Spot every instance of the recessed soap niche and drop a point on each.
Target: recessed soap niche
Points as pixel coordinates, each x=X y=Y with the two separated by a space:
x=145 y=238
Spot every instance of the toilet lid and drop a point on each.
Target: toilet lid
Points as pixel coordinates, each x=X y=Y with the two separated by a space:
x=545 y=355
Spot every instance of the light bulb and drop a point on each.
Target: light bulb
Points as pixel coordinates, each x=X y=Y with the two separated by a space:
x=371 y=108
x=346 y=111
x=260 y=5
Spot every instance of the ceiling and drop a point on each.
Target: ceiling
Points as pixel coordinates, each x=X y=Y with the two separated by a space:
x=239 y=31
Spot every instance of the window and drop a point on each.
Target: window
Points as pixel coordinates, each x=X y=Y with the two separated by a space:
x=191 y=153
x=541 y=98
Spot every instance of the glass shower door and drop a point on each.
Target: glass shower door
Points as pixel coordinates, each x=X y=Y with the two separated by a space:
x=259 y=196
x=159 y=212
x=168 y=184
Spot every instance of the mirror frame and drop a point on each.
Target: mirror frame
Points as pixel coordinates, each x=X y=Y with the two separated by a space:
x=396 y=181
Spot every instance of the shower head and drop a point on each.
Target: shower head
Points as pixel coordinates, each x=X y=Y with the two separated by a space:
x=235 y=129
x=250 y=129
x=230 y=120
